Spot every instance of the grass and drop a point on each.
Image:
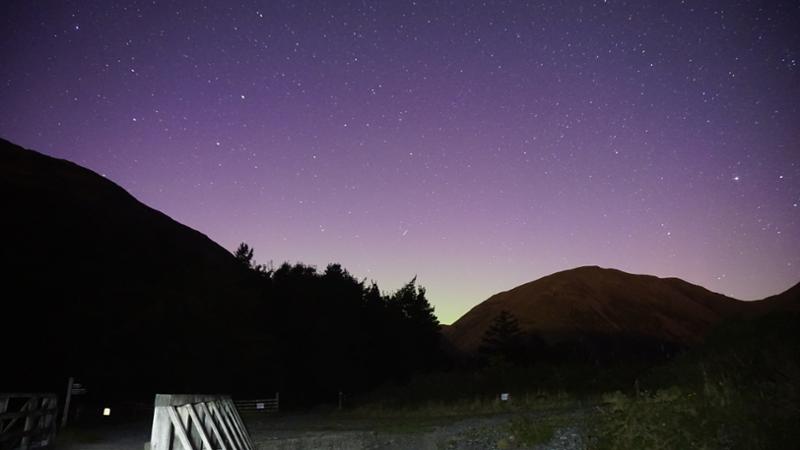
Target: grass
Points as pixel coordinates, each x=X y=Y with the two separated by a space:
x=740 y=390
x=721 y=414
x=525 y=419
x=706 y=409
x=529 y=431
x=476 y=406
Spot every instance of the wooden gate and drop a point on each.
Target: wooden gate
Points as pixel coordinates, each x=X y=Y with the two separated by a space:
x=197 y=422
x=27 y=421
x=267 y=405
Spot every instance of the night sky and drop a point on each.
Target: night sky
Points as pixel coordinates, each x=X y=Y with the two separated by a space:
x=478 y=145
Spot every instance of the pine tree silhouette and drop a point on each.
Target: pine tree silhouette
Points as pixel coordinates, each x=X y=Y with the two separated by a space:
x=503 y=339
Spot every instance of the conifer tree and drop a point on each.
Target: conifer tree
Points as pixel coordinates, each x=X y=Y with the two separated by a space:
x=503 y=339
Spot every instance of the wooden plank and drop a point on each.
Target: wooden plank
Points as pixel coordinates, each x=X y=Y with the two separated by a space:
x=25 y=394
x=240 y=424
x=161 y=434
x=52 y=406
x=38 y=412
x=197 y=420
x=237 y=422
x=236 y=441
x=198 y=425
x=177 y=424
x=13 y=421
x=244 y=428
x=186 y=418
x=34 y=413
x=182 y=399
x=204 y=420
x=213 y=425
x=226 y=427
x=29 y=422
x=237 y=431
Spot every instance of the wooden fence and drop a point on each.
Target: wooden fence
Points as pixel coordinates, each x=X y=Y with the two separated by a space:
x=27 y=421
x=268 y=405
x=198 y=422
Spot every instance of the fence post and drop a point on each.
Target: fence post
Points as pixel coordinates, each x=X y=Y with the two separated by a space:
x=161 y=435
x=67 y=400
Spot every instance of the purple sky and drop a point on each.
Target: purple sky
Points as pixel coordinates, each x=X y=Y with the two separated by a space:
x=478 y=145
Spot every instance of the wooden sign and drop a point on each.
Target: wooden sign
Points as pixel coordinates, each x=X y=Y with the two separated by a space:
x=78 y=389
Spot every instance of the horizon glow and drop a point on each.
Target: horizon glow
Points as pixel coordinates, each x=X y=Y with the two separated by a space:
x=476 y=146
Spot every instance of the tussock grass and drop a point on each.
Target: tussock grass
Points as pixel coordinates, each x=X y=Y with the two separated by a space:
x=719 y=416
x=740 y=390
x=478 y=405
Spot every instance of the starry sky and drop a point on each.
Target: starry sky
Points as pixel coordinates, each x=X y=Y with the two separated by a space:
x=476 y=144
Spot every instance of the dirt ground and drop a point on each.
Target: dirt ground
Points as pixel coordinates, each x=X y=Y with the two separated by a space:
x=118 y=436
x=339 y=431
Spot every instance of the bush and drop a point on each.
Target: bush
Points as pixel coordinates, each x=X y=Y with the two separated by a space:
x=720 y=416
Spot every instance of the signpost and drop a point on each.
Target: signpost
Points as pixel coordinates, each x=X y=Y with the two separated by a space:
x=73 y=388
x=66 y=402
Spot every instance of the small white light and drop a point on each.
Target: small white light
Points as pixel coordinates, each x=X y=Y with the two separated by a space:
x=106 y=411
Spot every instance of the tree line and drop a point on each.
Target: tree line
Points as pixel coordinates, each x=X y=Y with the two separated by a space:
x=320 y=332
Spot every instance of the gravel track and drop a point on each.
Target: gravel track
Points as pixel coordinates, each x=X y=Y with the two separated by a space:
x=467 y=433
x=338 y=432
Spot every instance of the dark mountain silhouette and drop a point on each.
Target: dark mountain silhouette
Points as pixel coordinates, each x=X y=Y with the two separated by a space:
x=590 y=303
x=99 y=286
x=95 y=281
x=788 y=300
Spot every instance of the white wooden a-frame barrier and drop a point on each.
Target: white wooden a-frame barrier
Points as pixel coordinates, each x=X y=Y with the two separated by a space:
x=198 y=422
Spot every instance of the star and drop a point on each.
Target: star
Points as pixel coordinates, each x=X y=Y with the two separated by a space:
x=494 y=124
